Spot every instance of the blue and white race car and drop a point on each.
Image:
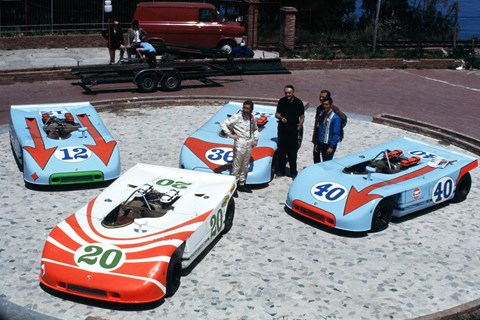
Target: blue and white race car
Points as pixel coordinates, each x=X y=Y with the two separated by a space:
x=362 y=192
x=209 y=149
x=62 y=143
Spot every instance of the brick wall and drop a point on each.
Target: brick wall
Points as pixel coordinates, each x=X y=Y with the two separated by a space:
x=53 y=41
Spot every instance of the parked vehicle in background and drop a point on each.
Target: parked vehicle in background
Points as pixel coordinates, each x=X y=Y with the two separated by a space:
x=188 y=23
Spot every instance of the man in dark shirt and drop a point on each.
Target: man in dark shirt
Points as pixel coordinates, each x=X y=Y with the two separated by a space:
x=290 y=115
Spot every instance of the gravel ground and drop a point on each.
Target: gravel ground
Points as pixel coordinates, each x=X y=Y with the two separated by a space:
x=271 y=265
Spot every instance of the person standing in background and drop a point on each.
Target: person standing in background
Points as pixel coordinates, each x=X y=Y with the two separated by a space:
x=115 y=41
x=291 y=115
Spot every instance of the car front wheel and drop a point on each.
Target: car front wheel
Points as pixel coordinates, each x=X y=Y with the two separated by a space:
x=174 y=273
x=382 y=215
x=229 y=216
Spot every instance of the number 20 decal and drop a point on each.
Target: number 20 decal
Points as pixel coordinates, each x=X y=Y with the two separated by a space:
x=99 y=257
x=443 y=190
x=216 y=223
x=328 y=191
x=173 y=184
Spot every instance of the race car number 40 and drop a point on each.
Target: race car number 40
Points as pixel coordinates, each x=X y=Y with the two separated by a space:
x=328 y=191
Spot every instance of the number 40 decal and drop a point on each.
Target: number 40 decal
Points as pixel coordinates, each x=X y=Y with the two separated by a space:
x=328 y=191
x=443 y=190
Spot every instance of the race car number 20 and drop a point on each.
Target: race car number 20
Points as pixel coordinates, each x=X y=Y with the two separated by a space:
x=216 y=223
x=99 y=257
x=328 y=191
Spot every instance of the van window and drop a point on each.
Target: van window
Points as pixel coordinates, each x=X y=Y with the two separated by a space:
x=207 y=15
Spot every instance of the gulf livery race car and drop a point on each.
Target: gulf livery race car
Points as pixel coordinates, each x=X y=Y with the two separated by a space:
x=129 y=244
x=209 y=149
x=363 y=191
x=62 y=143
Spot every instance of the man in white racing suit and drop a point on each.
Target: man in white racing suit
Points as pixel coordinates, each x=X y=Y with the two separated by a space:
x=242 y=128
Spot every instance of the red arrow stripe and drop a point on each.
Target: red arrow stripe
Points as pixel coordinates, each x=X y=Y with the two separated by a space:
x=356 y=199
x=200 y=147
x=38 y=151
x=102 y=149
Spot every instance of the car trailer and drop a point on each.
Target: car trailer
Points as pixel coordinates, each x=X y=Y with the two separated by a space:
x=169 y=75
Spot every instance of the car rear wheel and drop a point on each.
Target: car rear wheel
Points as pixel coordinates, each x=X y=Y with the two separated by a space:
x=147 y=82
x=229 y=216
x=463 y=188
x=382 y=215
x=174 y=273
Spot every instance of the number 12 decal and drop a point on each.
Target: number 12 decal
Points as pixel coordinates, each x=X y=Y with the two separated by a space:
x=73 y=154
x=443 y=190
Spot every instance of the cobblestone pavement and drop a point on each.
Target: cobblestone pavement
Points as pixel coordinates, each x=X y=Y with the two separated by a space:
x=271 y=265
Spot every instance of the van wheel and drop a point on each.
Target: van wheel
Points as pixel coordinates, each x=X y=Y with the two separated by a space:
x=226 y=46
x=147 y=82
x=171 y=81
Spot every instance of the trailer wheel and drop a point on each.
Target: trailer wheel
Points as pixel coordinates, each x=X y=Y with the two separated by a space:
x=171 y=81
x=147 y=82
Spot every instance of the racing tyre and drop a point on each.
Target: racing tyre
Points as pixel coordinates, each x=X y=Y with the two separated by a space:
x=174 y=274
x=463 y=188
x=226 y=46
x=229 y=216
x=382 y=215
x=147 y=82
x=171 y=81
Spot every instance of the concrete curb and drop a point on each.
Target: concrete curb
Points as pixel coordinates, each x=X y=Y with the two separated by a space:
x=63 y=73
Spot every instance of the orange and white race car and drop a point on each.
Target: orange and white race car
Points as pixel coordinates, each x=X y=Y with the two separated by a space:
x=130 y=243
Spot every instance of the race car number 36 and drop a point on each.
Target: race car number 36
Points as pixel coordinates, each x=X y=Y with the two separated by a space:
x=328 y=191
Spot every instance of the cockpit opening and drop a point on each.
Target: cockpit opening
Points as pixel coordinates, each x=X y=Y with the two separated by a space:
x=145 y=202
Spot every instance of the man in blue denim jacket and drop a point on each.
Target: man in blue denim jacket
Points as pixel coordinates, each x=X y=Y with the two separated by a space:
x=329 y=127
